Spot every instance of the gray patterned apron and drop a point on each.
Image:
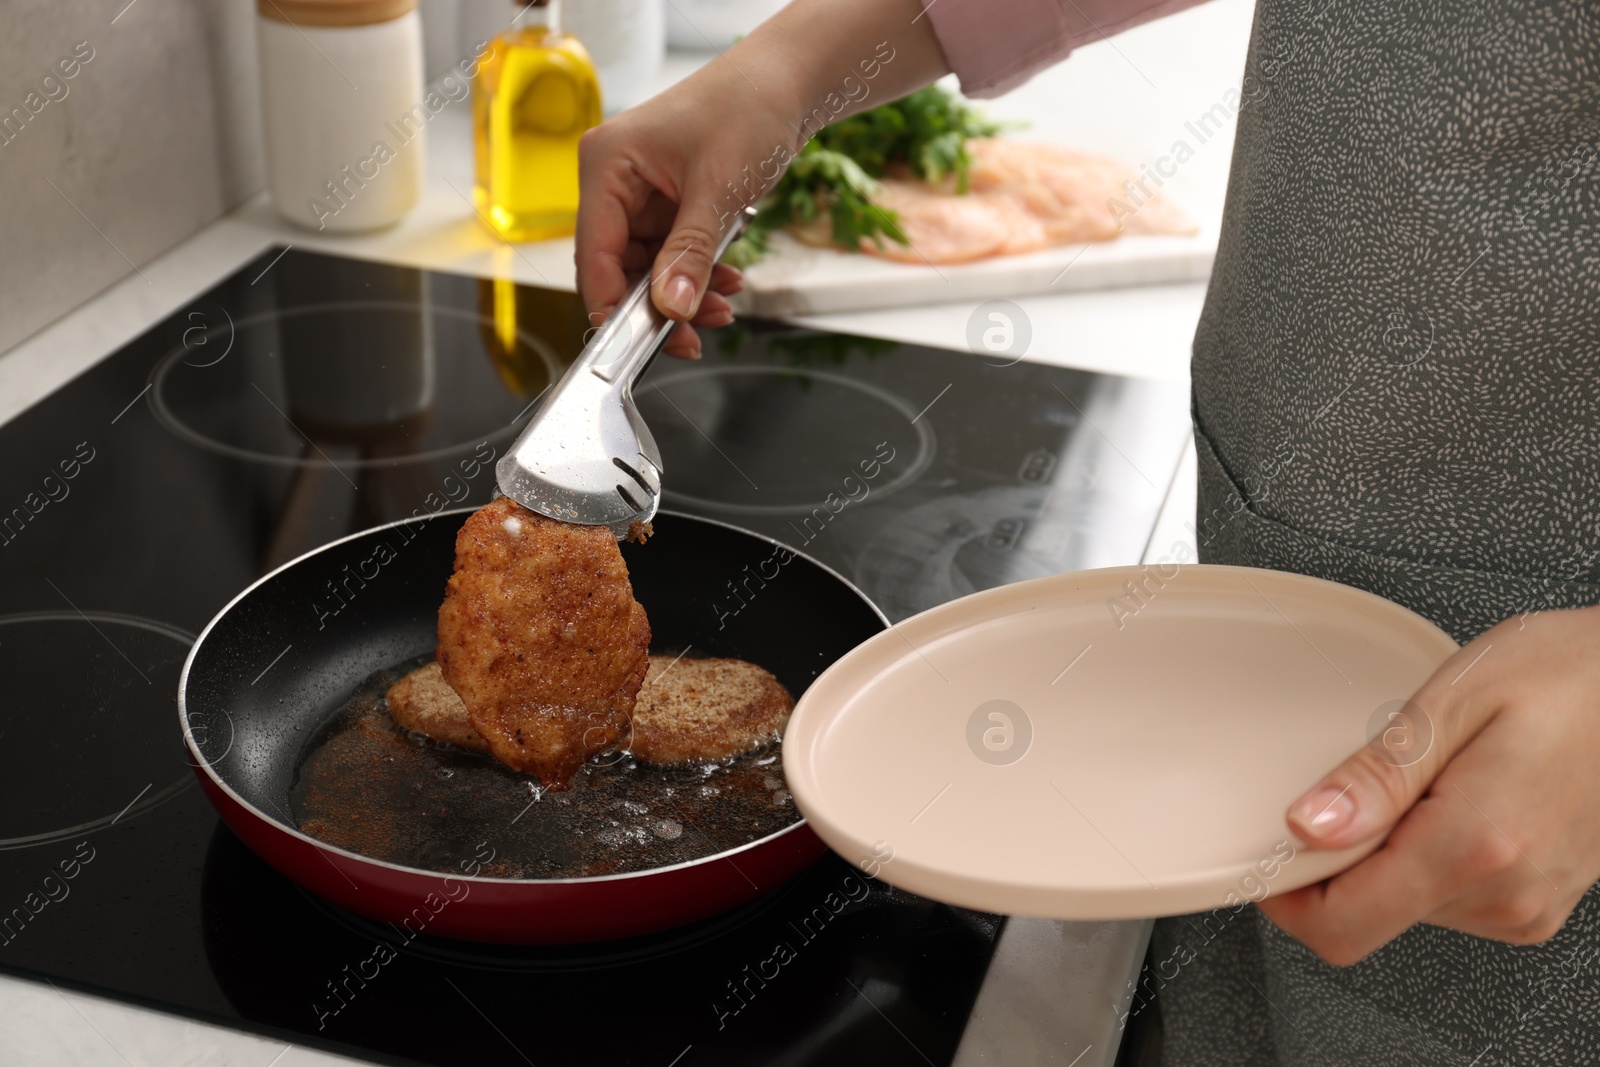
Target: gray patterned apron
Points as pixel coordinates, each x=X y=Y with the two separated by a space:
x=1397 y=386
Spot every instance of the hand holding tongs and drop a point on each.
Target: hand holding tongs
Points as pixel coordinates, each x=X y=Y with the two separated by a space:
x=587 y=457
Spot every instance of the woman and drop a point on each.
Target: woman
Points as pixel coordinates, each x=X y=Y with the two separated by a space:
x=1395 y=387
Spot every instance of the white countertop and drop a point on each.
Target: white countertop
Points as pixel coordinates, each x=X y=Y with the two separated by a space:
x=1130 y=97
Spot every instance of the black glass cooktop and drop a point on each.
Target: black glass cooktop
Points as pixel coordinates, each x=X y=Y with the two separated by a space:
x=309 y=396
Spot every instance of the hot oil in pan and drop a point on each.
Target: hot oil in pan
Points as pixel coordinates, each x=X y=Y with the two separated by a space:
x=370 y=787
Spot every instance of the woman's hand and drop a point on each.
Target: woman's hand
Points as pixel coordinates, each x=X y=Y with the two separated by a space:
x=653 y=191
x=1494 y=830
x=660 y=182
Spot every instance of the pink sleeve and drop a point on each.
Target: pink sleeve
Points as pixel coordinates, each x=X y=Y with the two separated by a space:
x=996 y=45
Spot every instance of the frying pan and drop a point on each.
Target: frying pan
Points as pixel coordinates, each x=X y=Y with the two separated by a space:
x=285 y=655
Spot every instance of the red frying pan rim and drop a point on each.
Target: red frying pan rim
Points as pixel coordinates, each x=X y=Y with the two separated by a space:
x=204 y=765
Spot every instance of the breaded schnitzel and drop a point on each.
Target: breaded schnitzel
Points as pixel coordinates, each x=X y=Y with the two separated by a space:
x=423 y=701
x=689 y=710
x=540 y=636
x=705 y=710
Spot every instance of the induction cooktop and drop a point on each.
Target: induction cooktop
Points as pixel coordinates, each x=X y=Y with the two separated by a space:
x=308 y=396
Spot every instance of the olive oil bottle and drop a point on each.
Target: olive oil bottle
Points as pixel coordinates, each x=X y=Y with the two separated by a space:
x=533 y=98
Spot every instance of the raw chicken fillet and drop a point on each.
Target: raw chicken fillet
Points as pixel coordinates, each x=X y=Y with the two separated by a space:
x=1022 y=196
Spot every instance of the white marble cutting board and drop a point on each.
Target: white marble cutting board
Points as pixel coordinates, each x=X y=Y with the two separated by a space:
x=797 y=279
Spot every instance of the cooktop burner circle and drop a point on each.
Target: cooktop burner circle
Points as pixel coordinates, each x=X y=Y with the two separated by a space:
x=779 y=440
x=94 y=746
x=350 y=385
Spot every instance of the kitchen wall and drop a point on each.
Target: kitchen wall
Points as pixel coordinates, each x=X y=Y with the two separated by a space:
x=123 y=129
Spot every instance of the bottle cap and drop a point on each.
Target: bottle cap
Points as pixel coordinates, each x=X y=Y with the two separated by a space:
x=548 y=13
x=334 y=12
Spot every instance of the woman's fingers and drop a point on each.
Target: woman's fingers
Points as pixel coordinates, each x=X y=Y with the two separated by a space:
x=686 y=341
x=638 y=257
x=1494 y=847
x=635 y=259
x=1360 y=799
x=623 y=215
x=1520 y=875
x=1388 y=787
x=683 y=344
x=683 y=267
x=603 y=243
x=714 y=311
x=1452 y=861
x=726 y=280
x=1412 y=876
x=1371 y=791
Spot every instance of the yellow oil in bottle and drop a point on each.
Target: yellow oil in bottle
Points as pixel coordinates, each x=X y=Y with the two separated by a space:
x=532 y=100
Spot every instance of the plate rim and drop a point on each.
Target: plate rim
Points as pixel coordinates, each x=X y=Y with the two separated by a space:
x=1194 y=891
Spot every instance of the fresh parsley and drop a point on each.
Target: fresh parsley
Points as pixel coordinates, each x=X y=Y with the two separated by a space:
x=838 y=170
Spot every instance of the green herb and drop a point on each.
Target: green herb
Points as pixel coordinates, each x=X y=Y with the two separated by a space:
x=793 y=347
x=837 y=170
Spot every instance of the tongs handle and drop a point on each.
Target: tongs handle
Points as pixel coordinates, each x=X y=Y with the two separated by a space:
x=636 y=330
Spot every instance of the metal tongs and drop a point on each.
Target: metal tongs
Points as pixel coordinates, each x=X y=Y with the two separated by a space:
x=587 y=457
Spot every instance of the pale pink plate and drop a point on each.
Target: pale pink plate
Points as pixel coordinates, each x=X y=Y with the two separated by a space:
x=1106 y=744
